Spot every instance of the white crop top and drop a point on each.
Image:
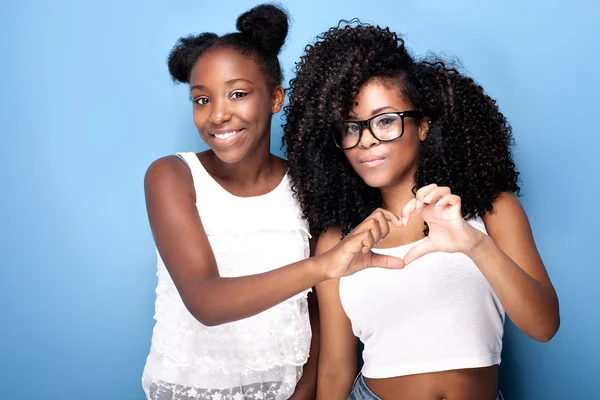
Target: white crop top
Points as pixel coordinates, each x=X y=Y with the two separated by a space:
x=438 y=313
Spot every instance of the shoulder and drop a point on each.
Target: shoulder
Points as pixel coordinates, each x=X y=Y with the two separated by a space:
x=506 y=203
x=166 y=167
x=166 y=174
x=507 y=215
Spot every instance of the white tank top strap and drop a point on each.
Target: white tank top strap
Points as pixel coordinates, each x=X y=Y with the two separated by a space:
x=199 y=174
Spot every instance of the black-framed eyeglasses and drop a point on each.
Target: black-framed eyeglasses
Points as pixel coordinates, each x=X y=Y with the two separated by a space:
x=384 y=127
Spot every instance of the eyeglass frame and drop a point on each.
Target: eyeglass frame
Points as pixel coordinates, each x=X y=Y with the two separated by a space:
x=367 y=124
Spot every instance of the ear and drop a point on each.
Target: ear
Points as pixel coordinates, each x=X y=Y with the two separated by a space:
x=424 y=126
x=277 y=99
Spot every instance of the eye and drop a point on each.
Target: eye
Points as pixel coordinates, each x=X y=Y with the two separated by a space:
x=201 y=100
x=385 y=121
x=350 y=129
x=238 y=95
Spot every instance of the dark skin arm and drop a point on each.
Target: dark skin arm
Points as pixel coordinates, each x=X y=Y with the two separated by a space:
x=508 y=257
x=186 y=251
x=184 y=247
x=306 y=389
x=511 y=263
x=338 y=351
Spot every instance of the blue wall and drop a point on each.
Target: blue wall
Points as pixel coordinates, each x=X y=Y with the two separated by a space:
x=87 y=104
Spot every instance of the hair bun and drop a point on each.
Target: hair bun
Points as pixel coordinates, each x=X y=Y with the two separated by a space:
x=265 y=24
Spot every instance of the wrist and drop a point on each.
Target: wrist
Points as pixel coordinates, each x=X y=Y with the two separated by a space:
x=480 y=247
x=320 y=268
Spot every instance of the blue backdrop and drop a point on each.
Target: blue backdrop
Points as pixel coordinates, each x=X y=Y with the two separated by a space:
x=87 y=105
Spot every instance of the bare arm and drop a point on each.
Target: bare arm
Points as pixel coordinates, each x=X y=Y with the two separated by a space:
x=186 y=252
x=509 y=260
x=306 y=388
x=508 y=257
x=338 y=350
x=185 y=249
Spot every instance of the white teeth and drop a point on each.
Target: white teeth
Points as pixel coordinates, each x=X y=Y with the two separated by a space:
x=225 y=135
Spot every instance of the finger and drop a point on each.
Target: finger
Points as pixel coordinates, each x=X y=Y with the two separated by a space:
x=390 y=217
x=448 y=200
x=436 y=194
x=424 y=191
x=375 y=226
x=419 y=250
x=365 y=226
x=367 y=241
x=410 y=207
x=383 y=223
x=384 y=261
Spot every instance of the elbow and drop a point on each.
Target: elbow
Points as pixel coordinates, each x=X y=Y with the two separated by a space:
x=206 y=318
x=546 y=335
x=547 y=331
x=201 y=306
x=550 y=324
x=204 y=315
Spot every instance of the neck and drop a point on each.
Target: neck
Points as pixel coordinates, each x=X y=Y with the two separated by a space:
x=395 y=197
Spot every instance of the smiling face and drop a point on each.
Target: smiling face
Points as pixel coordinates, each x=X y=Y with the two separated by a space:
x=232 y=104
x=385 y=164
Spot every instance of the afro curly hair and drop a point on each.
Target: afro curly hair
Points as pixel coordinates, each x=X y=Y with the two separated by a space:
x=468 y=147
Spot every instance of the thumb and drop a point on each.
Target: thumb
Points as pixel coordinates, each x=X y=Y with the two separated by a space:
x=425 y=247
x=384 y=261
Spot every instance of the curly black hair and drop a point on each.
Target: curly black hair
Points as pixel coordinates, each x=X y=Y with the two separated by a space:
x=468 y=147
x=262 y=33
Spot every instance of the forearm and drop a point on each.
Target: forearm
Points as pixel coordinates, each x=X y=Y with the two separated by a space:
x=215 y=301
x=530 y=304
x=334 y=386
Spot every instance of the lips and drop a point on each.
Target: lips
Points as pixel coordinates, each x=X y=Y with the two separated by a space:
x=372 y=161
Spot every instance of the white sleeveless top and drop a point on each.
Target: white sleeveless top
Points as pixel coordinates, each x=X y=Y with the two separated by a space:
x=259 y=357
x=438 y=313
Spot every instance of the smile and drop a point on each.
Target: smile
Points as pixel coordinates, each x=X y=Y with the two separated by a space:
x=226 y=136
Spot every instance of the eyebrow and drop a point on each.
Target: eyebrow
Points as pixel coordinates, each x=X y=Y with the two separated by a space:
x=229 y=83
x=375 y=111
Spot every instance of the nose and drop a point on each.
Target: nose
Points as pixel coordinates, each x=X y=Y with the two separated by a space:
x=219 y=112
x=367 y=139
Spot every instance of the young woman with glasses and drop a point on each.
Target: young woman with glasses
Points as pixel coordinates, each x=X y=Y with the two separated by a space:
x=370 y=129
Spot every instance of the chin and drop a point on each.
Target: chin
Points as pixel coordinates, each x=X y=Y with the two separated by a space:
x=230 y=157
x=377 y=180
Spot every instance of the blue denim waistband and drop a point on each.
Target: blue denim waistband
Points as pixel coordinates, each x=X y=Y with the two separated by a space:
x=360 y=391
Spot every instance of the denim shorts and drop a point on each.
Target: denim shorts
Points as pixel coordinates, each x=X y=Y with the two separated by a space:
x=360 y=391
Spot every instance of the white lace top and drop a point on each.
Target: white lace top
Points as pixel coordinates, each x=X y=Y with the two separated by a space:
x=260 y=357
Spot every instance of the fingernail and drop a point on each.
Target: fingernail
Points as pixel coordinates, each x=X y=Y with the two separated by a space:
x=418 y=204
x=427 y=199
x=403 y=221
